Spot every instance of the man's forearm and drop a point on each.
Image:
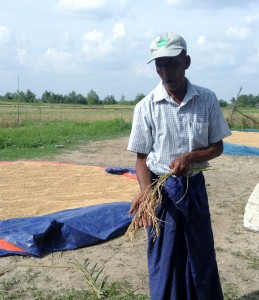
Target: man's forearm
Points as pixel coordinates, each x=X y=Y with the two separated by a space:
x=181 y=165
x=143 y=173
x=202 y=155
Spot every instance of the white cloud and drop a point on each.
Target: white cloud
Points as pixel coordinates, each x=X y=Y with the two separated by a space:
x=210 y=4
x=251 y=65
x=122 y=2
x=252 y=19
x=177 y=2
x=209 y=45
x=5 y=36
x=145 y=71
x=118 y=30
x=96 y=43
x=79 y=5
x=65 y=41
x=238 y=33
x=201 y=40
x=22 y=56
x=53 y=60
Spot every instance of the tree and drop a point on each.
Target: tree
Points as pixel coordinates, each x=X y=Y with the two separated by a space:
x=20 y=96
x=92 y=98
x=139 y=97
x=80 y=99
x=49 y=97
x=223 y=103
x=46 y=97
x=9 y=96
x=70 y=98
x=123 y=98
x=30 y=97
x=109 y=100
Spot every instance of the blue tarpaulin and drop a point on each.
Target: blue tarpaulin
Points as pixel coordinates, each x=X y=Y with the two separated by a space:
x=65 y=230
x=80 y=227
x=233 y=149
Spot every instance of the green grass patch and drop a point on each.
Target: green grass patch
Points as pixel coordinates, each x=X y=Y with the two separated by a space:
x=25 y=286
x=39 y=139
x=114 y=291
x=244 y=118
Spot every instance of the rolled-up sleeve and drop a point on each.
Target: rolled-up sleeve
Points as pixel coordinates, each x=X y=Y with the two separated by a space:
x=218 y=127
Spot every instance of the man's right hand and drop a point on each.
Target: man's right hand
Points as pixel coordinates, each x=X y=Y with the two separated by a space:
x=136 y=205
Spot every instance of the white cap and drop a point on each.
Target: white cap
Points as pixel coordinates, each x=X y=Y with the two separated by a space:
x=166 y=45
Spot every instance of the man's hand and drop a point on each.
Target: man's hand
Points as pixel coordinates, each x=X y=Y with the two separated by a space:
x=136 y=205
x=180 y=166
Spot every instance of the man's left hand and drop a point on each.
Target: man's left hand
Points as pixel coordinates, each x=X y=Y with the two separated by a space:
x=180 y=166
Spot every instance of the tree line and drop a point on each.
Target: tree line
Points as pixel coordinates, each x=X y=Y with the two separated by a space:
x=243 y=101
x=92 y=98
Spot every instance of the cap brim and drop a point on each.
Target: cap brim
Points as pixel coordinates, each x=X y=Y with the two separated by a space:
x=165 y=53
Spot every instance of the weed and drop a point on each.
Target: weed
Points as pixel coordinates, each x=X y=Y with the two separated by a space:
x=92 y=276
x=230 y=291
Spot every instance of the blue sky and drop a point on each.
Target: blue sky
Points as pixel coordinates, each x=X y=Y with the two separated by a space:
x=65 y=45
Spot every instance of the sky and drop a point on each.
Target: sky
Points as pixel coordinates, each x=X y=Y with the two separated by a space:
x=104 y=45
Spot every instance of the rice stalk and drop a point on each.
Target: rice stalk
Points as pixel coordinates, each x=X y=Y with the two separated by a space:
x=91 y=275
x=149 y=201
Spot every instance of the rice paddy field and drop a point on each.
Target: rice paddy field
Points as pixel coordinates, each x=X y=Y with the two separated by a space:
x=19 y=114
x=11 y=115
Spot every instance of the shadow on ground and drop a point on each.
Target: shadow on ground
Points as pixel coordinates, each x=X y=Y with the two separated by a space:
x=251 y=296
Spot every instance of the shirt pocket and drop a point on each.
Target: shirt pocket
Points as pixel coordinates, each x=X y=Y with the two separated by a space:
x=198 y=135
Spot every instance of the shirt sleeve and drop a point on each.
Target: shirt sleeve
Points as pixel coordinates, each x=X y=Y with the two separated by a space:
x=140 y=140
x=218 y=127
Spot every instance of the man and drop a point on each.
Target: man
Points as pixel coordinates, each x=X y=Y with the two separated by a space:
x=177 y=128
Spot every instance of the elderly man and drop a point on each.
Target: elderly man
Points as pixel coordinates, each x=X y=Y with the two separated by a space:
x=178 y=127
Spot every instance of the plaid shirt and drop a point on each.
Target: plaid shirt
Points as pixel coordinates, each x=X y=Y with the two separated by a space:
x=164 y=130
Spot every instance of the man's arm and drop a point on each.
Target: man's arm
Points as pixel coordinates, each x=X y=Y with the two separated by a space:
x=181 y=165
x=145 y=179
x=143 y=172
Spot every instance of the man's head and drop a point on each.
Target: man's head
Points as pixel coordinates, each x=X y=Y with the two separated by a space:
x=168 y=44
x=169 y=51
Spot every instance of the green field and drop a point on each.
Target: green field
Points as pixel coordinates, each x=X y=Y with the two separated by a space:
x=246 y=118
x=37 y=130
x=15 y=114
x=34 y=131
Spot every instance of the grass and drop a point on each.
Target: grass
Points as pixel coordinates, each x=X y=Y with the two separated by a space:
x=239 y=121
x=253 y=261
x=114 y=291
x=40 y=139
x=12 y=115
x=96 y=286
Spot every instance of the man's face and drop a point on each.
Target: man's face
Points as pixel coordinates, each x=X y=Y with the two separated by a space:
x=172 y=70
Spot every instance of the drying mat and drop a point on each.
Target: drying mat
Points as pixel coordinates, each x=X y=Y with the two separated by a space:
x=250 y=138
x=35 y=188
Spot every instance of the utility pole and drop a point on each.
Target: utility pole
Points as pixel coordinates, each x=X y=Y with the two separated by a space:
x=18 y=107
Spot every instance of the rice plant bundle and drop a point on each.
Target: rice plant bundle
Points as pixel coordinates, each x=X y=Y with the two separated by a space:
x=149 y=201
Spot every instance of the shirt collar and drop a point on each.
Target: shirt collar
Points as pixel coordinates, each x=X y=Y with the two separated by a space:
x=160 y=93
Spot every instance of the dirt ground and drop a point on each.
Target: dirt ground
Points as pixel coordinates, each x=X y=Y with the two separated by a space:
x=229 y=186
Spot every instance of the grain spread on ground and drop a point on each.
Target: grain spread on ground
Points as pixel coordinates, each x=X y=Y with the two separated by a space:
x=250 y=138
x=38 y=188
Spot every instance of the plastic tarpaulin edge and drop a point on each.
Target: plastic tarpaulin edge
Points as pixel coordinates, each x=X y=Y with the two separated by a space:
x=64 y=230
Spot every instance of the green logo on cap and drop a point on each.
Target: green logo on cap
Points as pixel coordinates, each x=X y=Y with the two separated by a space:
x=161 y=43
